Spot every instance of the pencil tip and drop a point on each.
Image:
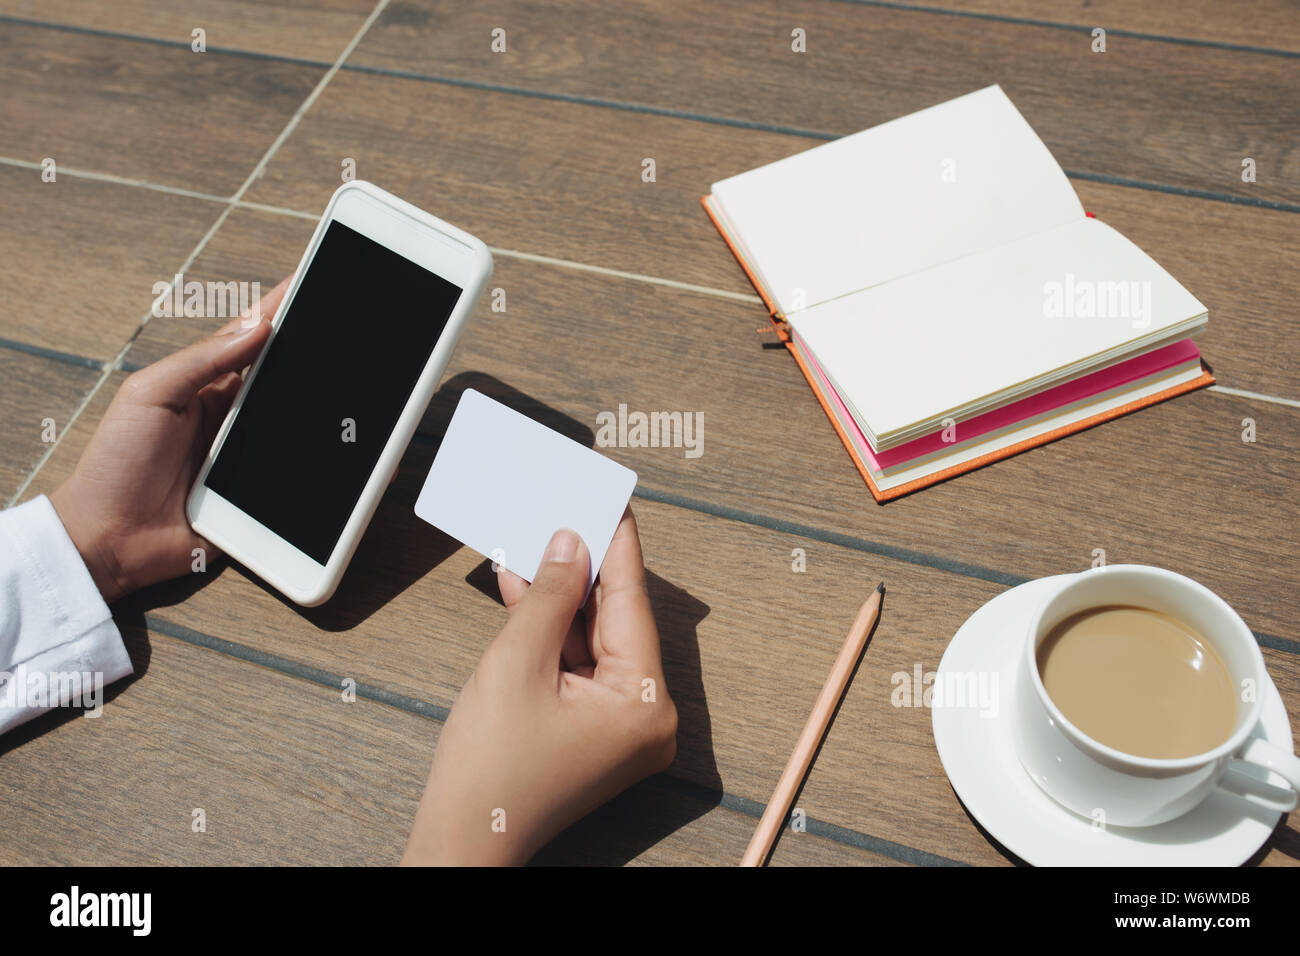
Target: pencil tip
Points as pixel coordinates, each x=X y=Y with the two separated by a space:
x=881 y=587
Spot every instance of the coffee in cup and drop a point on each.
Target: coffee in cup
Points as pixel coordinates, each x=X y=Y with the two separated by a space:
x=1139 y=681
x=1139 y=692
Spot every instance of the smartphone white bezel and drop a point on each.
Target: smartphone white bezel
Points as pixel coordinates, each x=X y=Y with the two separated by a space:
x=425 y=240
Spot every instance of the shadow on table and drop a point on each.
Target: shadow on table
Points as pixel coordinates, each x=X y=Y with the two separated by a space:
x=129 y=616
x=636 y=820
x=398 y=548
x=1007 y=854
x=137 y=647
x=1283 y=839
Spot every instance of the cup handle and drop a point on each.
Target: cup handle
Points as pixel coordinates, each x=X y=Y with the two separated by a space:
x=1261 y=753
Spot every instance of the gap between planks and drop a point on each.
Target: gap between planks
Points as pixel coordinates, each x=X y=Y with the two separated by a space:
x=229 y=205
x=232 y=203
x=678 y=785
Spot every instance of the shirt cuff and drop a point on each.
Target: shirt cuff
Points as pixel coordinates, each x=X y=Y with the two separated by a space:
x=66 y=626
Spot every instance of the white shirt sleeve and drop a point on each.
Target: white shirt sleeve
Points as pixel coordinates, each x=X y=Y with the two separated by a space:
x=58 y=643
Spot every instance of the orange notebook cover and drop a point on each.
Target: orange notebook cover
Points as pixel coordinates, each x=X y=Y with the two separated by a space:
x=782 y=332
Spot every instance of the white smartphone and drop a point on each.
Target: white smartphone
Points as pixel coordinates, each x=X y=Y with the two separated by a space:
x=357 y=348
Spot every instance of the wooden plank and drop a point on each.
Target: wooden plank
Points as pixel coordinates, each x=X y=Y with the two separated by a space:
x=1146 y=110
x=1269 y=24
x=747 y=643
x=286 y=773
x=1237 y=261
x=33 y=389
x=768 y=449
x=509 y=168
x=805 y=849
x=479 y=160
x=58 y=467
x=633 y=827
x=315 y=30
x=141 y=110
x=254 y=246
x=79 y=258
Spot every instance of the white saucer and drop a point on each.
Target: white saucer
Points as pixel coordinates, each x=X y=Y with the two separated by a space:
x=978 y=754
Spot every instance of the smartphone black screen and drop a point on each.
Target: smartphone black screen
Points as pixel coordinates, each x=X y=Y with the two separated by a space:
x=335 y=379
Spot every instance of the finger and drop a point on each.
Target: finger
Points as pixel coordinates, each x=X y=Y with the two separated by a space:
x=626 y=625
x=267 y=306
x=216 y=400
x=576 y=654
x=540 y=624
x=209 y=551
x=512 y=586
x=624 y=568
x=175 y=380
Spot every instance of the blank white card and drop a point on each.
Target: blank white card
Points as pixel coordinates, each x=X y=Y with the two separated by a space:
x=503 y=484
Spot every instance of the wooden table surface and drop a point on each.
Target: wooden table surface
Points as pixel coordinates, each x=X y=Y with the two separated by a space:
x=619 y=291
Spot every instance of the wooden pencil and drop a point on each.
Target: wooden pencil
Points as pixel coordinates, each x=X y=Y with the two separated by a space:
x=814 y=731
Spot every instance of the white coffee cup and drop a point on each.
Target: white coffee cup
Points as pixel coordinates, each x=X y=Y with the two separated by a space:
x=1120 y=789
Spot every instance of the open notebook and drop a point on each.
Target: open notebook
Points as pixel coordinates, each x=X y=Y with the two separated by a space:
x=946 y=295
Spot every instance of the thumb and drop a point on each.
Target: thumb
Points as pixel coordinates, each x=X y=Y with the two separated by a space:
x=179 y=377
x=541 y=619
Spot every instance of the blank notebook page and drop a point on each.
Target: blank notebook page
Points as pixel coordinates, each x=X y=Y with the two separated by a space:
x=912 y=350
x=966 y=175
